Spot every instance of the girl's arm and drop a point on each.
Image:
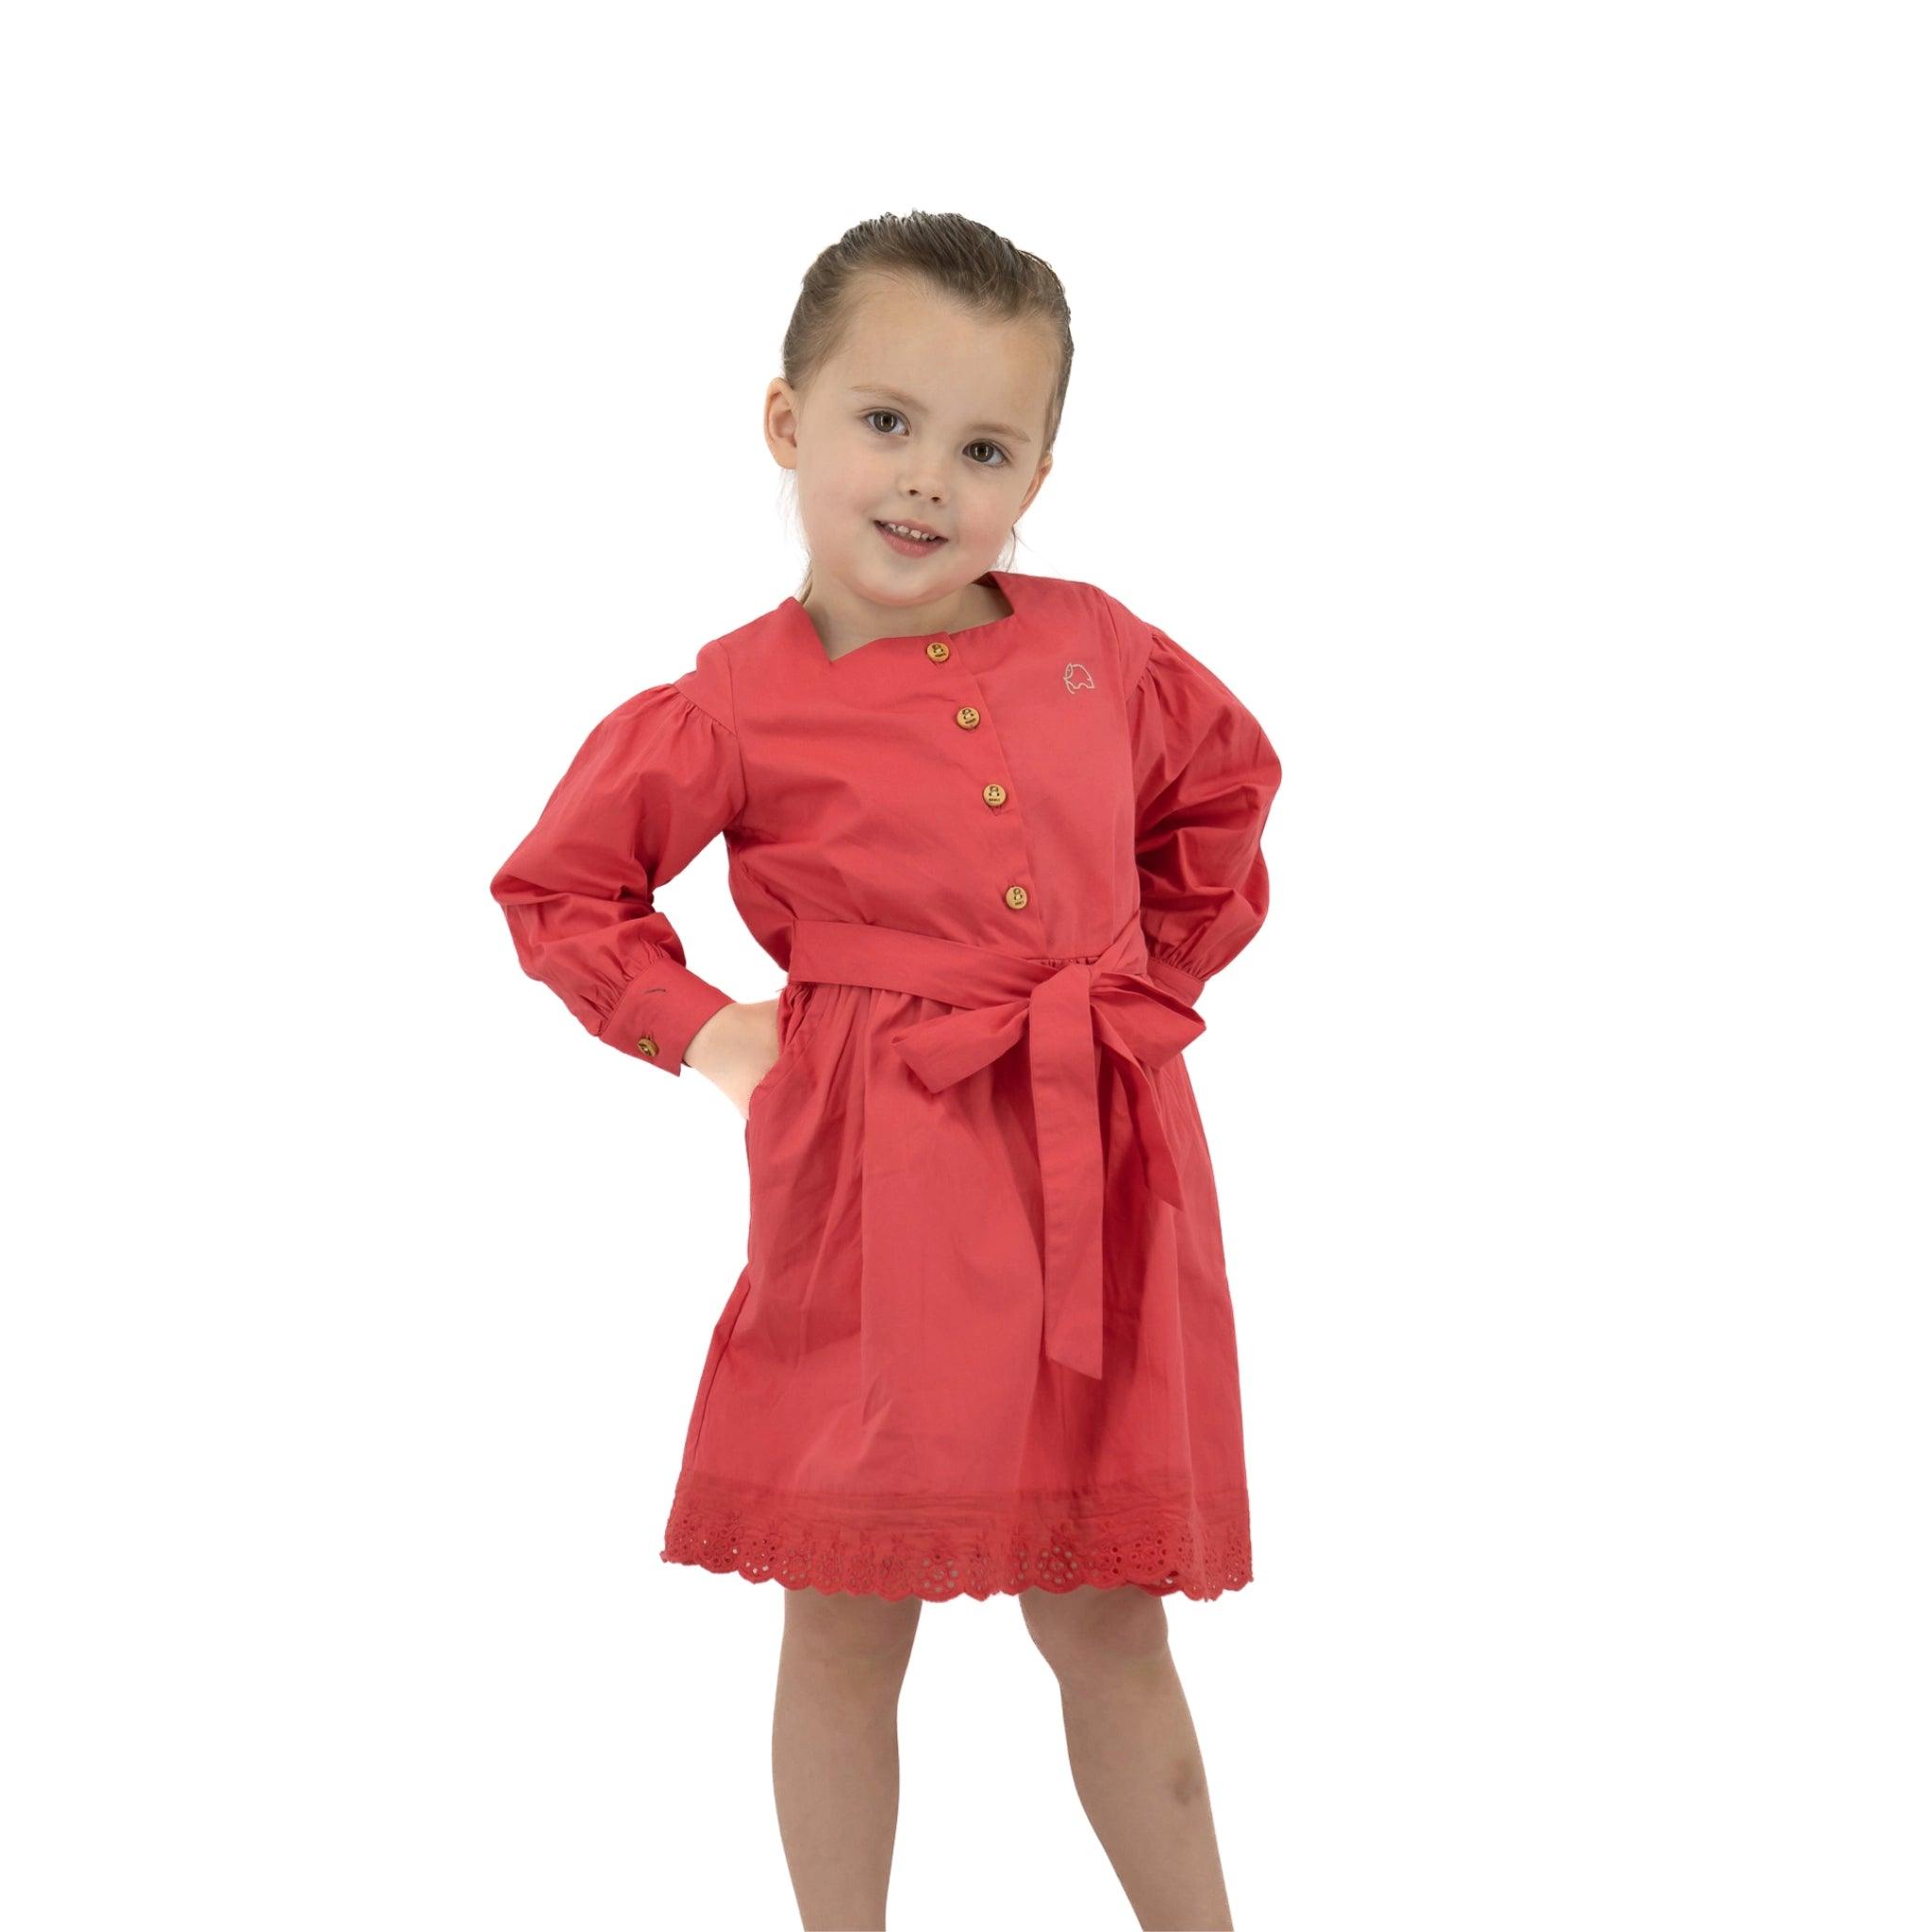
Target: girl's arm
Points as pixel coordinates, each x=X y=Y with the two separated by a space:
x=1205 y=779
x=654 y=783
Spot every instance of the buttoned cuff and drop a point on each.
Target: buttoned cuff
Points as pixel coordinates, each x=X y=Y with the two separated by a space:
x=1174 y=978
x=659 y=1011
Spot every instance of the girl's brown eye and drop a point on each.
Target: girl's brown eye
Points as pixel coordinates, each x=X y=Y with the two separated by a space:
x=894 y=416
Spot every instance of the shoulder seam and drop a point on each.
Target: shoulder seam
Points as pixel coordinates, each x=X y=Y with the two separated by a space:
x=679 y=685
x=703 y=710
x=1120 y=645
x=737 y=742
x=730 y=730
x=1108 y=606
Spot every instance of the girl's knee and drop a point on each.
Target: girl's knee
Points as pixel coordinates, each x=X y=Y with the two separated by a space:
x=1092 y=1629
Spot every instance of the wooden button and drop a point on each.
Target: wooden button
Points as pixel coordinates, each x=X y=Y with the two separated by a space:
x=966 y=717
x=1016 y=896
x=939 y=650
x=648 y=1047
x=994 y=793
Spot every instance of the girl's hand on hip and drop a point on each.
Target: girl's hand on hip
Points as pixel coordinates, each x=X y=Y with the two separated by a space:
x=736 y=1048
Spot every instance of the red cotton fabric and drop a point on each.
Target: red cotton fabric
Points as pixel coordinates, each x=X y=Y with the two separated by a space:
x=983 y=1339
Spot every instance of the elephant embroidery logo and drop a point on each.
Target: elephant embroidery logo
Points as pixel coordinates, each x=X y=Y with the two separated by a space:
x=1078 y=678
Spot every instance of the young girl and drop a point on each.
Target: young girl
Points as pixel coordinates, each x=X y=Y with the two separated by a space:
x=999 y=831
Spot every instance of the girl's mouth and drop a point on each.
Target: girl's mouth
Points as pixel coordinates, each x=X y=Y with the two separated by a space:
x=906 y=546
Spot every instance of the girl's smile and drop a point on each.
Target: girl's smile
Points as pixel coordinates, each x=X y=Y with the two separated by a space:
x=907 y=546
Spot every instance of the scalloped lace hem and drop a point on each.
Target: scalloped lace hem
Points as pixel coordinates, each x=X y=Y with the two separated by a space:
x=1198 y=1548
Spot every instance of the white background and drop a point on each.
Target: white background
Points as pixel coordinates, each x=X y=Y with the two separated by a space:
x=1524 y=408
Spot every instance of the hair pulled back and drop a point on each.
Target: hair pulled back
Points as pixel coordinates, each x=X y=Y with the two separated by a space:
x=950 y=256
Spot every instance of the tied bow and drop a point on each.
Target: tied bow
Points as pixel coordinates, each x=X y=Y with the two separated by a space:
x=1142 y=1025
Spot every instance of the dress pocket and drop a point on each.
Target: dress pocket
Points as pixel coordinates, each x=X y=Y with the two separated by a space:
x=794 y=1008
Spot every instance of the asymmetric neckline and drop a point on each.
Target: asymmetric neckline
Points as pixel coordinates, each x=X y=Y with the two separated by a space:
x=1000 y=580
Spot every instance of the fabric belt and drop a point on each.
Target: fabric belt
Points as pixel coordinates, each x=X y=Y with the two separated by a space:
x=1063 y=1009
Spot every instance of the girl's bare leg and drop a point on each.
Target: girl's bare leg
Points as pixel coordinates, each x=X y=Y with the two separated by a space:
x=835 y=1751
x=1130 y=1741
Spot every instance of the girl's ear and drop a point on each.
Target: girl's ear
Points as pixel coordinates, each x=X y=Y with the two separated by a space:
x=781 y=423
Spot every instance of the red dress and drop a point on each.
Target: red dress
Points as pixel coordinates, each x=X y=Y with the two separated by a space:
x=983 y=1337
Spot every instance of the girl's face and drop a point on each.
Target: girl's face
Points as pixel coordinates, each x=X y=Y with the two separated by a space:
x=925 y=414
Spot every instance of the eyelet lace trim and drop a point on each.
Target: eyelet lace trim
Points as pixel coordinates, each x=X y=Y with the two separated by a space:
x=1198 y=1546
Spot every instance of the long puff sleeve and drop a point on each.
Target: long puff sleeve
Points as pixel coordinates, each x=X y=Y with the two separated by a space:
x=1205 y=778
x=654 y=783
